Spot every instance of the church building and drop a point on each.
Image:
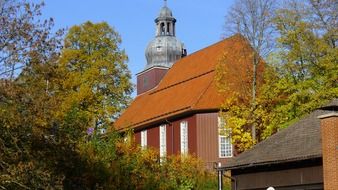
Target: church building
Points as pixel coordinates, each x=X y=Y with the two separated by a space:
x=177 y=106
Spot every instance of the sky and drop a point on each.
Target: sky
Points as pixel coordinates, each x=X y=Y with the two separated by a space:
x=199 y=22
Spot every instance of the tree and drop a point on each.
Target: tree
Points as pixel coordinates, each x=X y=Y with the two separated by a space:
x=94 y=78
x=253 y=20
x=20 y=34
x=301 y=74
x=305 y=70
x=28 y=53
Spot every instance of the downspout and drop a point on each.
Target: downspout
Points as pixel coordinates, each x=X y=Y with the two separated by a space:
x=220 y=173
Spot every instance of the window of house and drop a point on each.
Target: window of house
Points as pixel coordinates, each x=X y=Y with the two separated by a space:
x=163 y=141
x=184 y=137
x=144 y=139
x=224 y=139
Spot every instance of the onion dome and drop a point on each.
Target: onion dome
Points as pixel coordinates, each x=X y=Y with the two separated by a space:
x=165 y=49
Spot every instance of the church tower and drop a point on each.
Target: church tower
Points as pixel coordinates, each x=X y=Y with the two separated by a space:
x=161 y=53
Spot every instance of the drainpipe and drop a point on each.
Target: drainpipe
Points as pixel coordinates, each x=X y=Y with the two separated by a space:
x=220 y=177
x=221 y=174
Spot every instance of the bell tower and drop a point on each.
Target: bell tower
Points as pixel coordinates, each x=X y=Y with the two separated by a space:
x=162 y=52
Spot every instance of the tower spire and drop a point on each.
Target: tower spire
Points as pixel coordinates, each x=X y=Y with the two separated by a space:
x=165 y=3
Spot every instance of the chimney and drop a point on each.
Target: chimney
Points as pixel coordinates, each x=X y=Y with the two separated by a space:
x=329 y=134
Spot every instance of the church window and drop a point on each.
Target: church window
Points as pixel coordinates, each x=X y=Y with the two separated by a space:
x=144 y=139
x=163 y=141
x=224 y=139
x=184 y=137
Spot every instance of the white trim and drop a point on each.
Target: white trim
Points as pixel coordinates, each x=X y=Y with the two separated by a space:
x=144 y=139
x=163 y=141
x=184 y=137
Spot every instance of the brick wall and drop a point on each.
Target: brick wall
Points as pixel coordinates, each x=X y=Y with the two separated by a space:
x=329 y=133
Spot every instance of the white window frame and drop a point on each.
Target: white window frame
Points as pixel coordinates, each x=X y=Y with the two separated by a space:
x=143 y=139
x=225 y=148
x=184 y=137
x=163 y=141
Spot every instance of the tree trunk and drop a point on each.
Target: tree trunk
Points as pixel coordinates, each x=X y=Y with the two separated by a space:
x=254 y=91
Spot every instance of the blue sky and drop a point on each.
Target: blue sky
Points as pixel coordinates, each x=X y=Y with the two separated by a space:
x=199 y=22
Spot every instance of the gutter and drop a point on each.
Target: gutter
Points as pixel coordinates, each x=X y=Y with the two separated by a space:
x=249 y=165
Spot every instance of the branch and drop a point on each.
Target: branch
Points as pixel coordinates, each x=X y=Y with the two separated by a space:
x=21 y=185
x=12 y=70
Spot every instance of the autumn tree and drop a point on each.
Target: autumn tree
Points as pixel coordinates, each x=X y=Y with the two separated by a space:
x=28 y=54
x=20 y=34
x=304 y=73
x=253 y=20
x=300 y=74
x=94 y=78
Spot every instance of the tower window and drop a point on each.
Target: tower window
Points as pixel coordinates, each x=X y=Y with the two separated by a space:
x=162 y=28
x=168 y=26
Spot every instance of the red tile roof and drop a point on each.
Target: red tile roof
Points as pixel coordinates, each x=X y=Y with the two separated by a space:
x=188 y=86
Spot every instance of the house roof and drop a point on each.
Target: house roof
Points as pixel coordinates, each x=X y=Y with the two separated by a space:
x=187 y=87
x=300 y=141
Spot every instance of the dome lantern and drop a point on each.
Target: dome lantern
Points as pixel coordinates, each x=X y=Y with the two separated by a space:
x=165 y=49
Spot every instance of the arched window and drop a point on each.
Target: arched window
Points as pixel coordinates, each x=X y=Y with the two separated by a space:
x=168 y=26
x=162 y=28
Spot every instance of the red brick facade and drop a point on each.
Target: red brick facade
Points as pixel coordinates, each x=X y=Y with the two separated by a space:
x=329 y=133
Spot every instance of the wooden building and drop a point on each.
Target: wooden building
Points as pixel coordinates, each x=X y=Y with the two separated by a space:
x=303 y=156
x=177 y=104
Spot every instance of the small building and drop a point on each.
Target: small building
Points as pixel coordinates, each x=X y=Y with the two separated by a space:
x=177 y=103
x=302 y=156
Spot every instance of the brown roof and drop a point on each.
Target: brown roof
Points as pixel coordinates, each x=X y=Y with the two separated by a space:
x=187 y=87
x=300 y=141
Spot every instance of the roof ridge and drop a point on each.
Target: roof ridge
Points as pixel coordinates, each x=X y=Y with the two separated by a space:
x=181 y=82
x=213 y=44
